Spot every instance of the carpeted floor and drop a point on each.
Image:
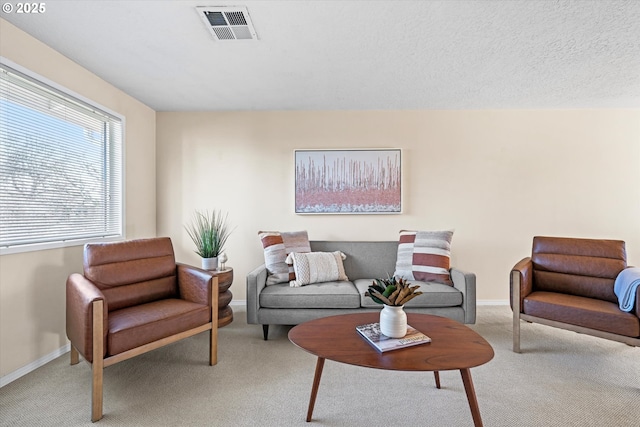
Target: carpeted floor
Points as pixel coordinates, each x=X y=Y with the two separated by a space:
x=561 y=379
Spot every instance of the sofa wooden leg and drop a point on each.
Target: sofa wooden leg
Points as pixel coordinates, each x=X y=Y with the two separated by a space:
x=265 y=332
x=97 y=366
x=75 y=357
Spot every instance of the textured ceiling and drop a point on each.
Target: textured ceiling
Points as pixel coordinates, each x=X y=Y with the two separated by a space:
x=356 y=55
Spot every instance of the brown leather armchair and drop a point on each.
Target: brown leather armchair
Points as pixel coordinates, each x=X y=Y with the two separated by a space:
x=568 y=283
x=133 y=298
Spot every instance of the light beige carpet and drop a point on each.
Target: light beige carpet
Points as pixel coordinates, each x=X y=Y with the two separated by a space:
x=561 y=379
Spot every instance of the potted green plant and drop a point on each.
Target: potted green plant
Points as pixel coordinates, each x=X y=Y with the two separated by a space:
x=393 y=293
x=209 y=231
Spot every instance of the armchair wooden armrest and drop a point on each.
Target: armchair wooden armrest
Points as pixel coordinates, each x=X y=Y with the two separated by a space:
x=521 y=285
x=521 y=282
x=81 y=295
x=200 y=286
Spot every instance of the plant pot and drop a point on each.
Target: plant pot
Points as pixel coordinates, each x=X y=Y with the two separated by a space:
x=210 y=263
x=393 y=321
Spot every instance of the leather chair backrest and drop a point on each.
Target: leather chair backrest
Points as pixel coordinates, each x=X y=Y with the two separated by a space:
x=583 y=267
x=132 y=272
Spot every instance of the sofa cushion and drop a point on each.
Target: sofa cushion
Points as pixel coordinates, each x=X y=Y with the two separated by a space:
x=586 y=312
x=433 y=295
x=135 y=326
x=277 y=245
x=317 y=295
x=424 y=256
x=316 y=267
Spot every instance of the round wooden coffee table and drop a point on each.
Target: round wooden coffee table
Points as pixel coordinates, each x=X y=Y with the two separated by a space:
x=453 y=346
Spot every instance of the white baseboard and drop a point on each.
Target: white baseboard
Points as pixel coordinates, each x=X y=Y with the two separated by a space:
x=492 y=302
x=34 y=365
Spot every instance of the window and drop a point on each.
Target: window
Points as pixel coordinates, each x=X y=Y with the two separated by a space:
x=60 y=166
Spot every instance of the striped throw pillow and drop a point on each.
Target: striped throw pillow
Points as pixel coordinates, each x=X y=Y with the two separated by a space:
x=424 y=256
x=277 y=245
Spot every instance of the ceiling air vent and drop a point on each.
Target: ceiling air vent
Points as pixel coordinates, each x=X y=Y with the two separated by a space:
x=228 y=23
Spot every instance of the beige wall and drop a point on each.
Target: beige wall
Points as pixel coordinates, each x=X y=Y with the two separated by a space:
x=497 y=177
x=32 y=284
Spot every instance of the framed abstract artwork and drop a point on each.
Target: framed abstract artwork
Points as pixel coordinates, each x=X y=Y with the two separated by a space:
x=348 y=181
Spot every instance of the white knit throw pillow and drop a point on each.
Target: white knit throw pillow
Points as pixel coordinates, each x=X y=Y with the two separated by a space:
x=316 y=267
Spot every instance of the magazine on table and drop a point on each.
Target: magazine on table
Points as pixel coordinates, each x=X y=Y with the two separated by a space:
x=371 y=332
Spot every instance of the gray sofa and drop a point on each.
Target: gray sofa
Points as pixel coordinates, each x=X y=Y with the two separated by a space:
x=284 y=305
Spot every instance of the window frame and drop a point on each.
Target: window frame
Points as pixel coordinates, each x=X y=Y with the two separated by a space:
x=6 y=250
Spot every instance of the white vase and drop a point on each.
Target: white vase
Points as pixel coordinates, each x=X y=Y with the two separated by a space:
x=210 y=263
x=393 y=321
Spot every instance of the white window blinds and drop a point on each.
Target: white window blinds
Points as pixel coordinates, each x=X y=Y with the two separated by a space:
x=60 y=165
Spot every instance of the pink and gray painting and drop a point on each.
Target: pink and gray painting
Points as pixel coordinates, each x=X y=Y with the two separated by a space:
x=348 y=181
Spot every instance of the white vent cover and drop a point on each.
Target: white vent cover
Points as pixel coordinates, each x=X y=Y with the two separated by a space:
x=228 y=23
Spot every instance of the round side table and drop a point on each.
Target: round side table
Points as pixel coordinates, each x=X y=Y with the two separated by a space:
x=225 y=279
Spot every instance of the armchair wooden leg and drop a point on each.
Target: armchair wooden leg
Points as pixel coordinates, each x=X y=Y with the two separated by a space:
x=96 y=394
x=515 y=307
x=213 y=346
x=75 y=357
x=516 y=333
x=97 y=365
